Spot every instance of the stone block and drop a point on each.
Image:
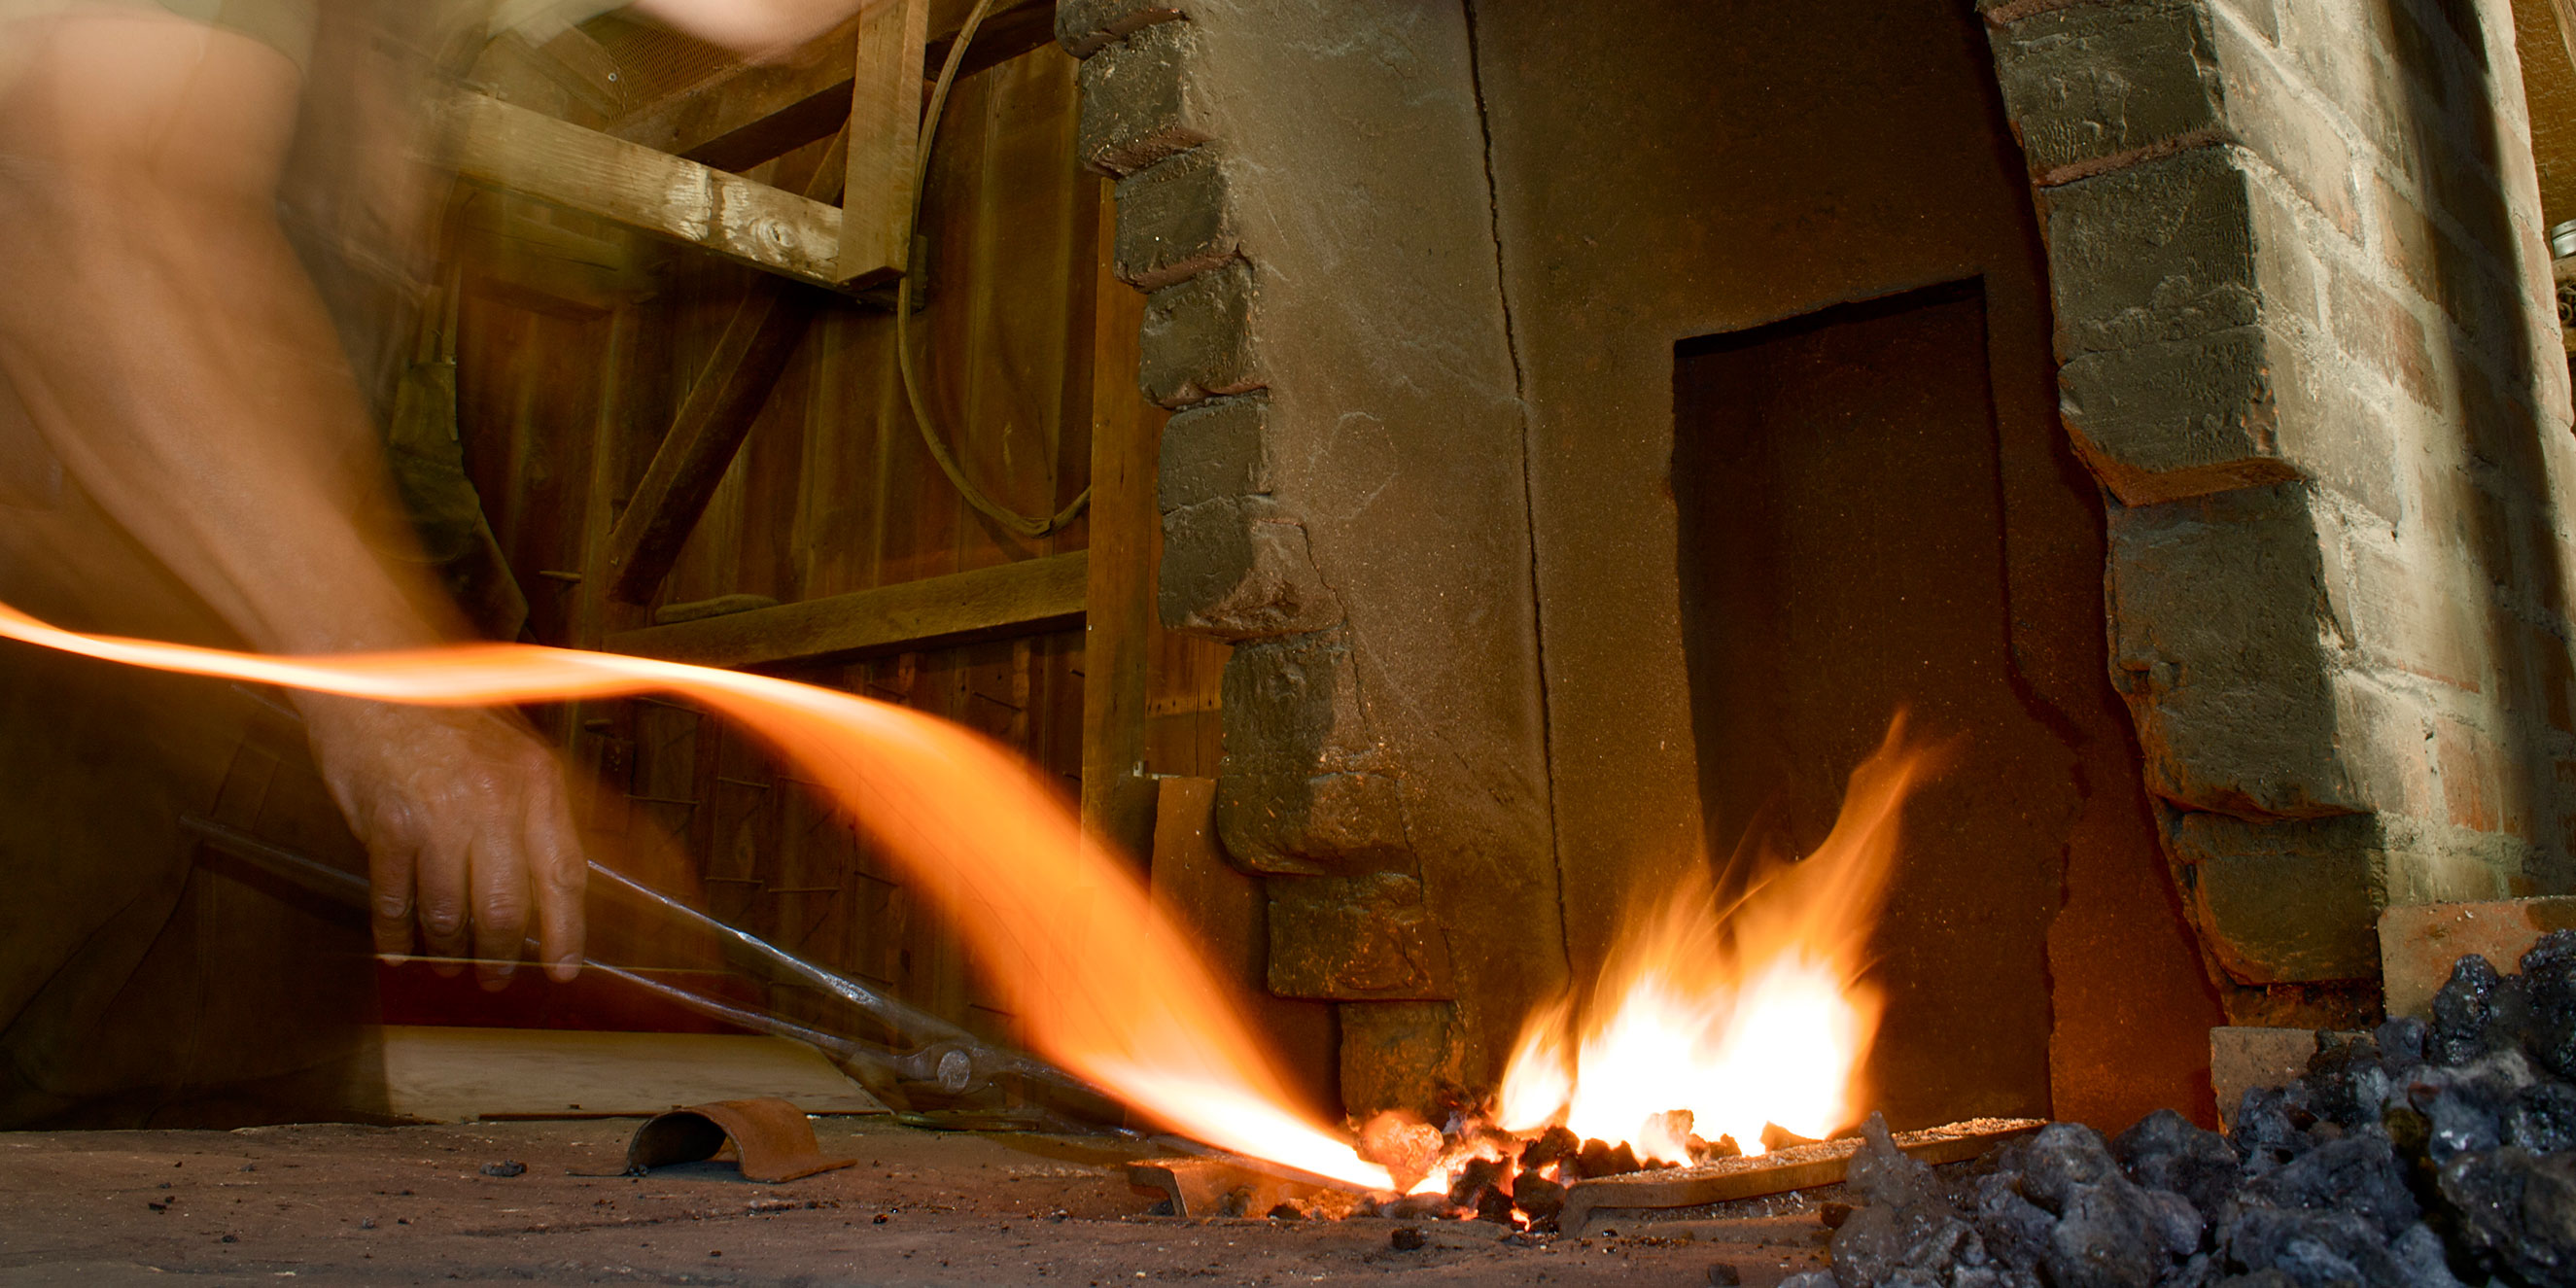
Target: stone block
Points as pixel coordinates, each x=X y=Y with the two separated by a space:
x=1355 y=939
x=1085 y=27
x=1306 y=786
x=2090 y=83
x=1198 y=338
x=2218 y=618
x=2161 y=422
x=2243 y=1057
x=2417 y=944
x=1401 y=1055
x=1219 y=448
x=2285 y=903
x=1239 y=568
x=1175 y=220
x=1142 y=100
x=2154 y=253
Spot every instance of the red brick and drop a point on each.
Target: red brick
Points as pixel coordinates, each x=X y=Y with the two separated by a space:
x=2418 y=944
x=2373 y=328
x=2468 y=796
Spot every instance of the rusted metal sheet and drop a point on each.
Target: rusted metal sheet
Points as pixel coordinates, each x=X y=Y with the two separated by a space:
x=1796 y=1168
x=1227 y=1185
x=772 y=1138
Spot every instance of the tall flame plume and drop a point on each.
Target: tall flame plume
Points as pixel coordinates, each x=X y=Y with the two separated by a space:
x=1750 y=1016
x=1109 y=987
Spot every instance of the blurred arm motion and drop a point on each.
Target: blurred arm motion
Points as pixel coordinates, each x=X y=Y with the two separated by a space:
x=173 y=354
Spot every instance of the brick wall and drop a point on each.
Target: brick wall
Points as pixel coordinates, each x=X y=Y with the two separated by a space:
x=2308 y=344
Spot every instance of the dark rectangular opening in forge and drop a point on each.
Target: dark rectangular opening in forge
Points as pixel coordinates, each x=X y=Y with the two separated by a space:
x=1841 y=521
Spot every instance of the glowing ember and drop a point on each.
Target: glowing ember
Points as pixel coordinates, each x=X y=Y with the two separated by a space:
x=1109 y=988
x=1742 y=1018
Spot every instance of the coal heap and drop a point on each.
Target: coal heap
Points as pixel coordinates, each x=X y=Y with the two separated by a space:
x=2418 y=1156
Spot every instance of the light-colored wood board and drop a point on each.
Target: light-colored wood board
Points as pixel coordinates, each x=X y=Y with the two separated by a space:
x=1021 y=598
x=535 y=155
x=1795 y=1168
x=460 y=1074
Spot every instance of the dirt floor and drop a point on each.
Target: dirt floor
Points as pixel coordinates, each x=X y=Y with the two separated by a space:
x=413 y=1205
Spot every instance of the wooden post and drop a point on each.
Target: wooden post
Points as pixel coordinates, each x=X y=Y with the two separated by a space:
x=1126 y=438
x=885 y=141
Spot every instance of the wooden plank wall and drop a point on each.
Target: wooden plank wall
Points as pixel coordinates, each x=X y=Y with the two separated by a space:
x=570 y=369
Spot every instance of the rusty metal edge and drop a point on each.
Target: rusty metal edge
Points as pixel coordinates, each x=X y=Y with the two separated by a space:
x=1177 y=1178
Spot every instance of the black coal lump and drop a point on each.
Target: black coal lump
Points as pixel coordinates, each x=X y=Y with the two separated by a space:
x=2345 y=1082
x=2115 y=1233
x=2313 y=1248
x=2271 y=1127
x=2477 y=1013
x=2465 y=1105
x=2517 y=1210
x=2015 y=1229
x=2543 y=1118
x=2358 y=1173
x=2166 y=1151
x=1906 y=1230
x=2063 y=1156
x=2549 y=991
x=2421 y=1258
x=2401 y=1043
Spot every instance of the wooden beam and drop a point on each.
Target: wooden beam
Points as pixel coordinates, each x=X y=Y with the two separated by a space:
x=535 y=155
x=754 y=112
x=758 y=340
x=1021 y=598
x=721 y=408
x=885 y=141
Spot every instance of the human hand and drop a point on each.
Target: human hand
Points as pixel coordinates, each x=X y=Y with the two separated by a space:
x=468 y=829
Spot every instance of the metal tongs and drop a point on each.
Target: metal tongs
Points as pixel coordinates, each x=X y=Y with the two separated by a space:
x=940 y=1054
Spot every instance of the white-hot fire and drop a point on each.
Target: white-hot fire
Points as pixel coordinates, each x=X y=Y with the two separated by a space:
x=1742 y=1017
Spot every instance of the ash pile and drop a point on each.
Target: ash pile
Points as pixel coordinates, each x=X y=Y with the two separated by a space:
x=2418 y=1156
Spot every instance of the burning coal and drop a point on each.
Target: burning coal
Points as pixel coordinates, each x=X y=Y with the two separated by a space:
x=1717 y=1028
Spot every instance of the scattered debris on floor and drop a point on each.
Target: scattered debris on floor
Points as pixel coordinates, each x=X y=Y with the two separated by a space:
x=411 y=1205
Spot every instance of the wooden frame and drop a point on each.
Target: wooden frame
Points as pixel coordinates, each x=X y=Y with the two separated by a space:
x=619 y=174
x=555 y=161
x=1026 y=597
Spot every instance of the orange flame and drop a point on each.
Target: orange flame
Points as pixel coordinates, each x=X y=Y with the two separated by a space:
x=1744 y=1019
x=1109 y=987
